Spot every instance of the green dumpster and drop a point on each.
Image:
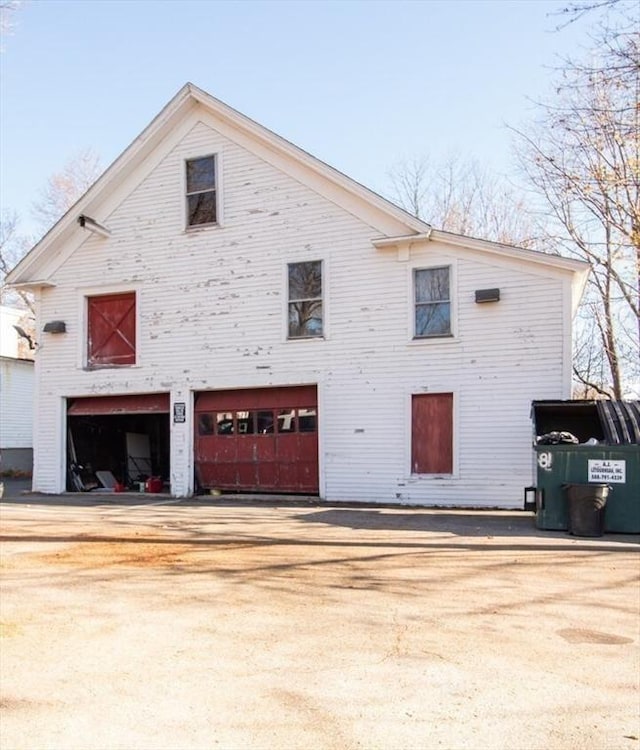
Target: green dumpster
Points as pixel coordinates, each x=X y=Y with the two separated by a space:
x=607 y=453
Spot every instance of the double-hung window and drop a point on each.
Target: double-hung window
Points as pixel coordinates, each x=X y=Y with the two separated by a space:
x=305 y=299
x=202 y=193
x=111 y=330
x=432 y=299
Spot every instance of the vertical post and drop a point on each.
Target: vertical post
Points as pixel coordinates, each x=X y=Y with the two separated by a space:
x=181 y=436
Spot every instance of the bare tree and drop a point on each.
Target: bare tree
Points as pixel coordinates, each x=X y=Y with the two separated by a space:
x=576 y=10
x=12 y=247
x=65 y=187
x=462 y=197
x=62 y=190
x=410 y=185
x=583 y=158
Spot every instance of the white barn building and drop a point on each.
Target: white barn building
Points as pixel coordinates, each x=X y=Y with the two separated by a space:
x=16 y=394
x=224 y=311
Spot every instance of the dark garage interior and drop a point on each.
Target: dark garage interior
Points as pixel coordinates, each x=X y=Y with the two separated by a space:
x=133 y=448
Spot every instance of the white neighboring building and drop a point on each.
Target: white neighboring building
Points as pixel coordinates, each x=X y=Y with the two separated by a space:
x=223 y=310
x=16 y=395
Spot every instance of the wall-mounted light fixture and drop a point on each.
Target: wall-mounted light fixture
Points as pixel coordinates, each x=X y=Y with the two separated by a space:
x=55 y=326
x=86 y=222
x=487 y=295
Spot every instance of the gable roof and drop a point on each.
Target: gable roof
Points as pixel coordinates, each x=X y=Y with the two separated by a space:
x=352 y=193
x=396 y=226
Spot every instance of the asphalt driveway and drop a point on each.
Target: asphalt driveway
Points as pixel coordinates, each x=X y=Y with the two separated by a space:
x=153 y=623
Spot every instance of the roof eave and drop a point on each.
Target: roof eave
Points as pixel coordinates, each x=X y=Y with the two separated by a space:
x=383 y=243
x=578 y=269
x=500 y=248
x=67 y=223
x=35 y=284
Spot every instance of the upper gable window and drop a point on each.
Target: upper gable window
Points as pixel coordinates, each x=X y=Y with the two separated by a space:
x=432 y=302
x=305 y=299
x=111 y=331
x=201 y=191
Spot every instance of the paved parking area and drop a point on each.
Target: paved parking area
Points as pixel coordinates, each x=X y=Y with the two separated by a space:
x=152 y=623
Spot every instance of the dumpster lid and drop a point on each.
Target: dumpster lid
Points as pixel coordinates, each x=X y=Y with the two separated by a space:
x=612 y=422
x=620 y=421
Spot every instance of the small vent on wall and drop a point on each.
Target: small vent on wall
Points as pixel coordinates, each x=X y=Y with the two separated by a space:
x=487 y=295
x=55 y=326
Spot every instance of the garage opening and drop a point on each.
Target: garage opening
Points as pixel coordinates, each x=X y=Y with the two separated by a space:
x=118 y=439
x=258 y=440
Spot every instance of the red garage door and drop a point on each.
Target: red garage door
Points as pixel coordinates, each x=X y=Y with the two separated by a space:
x=260 y=440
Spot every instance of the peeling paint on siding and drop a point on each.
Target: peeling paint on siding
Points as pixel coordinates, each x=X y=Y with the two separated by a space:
x=212 y=310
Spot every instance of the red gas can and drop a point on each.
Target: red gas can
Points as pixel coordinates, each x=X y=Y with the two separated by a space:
x=153 y=484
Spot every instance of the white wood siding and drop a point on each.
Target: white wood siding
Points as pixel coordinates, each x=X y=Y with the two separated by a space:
x=212 y=315
x=16 y=401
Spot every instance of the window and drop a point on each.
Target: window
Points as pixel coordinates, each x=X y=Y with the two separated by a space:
x=224 y=423
x=307 y=420
x=201 y=191
x=264 y=422
x=286 y=420
x=111 y=330
x=305 y=299
x=432 y=433
x=246 y=422
x=432 y=302
x=205 y=424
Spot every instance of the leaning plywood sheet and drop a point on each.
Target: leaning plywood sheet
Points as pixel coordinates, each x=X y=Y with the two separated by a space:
x=138 y=456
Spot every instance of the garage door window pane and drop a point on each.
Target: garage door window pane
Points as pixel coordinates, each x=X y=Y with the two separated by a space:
x=264 y=422
x=287 y=420
x=307 y=420
x=246 y=422
x=205 y=424
x=224 y=421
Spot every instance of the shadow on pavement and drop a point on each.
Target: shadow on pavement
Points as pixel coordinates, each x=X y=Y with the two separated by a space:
x=14 y=488
x=473 y=523
x=460 y=522
x=513 y=528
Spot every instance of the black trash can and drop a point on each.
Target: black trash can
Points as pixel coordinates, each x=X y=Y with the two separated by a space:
x=586 y=505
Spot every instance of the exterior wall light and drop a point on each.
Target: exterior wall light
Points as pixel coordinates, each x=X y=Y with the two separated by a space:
x=86 y=222
x=487 y=295
x=55 y=326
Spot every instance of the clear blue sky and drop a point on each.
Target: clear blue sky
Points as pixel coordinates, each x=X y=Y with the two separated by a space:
x=360 y=85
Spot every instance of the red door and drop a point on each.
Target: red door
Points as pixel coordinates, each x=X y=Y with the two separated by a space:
x=432 y=433
x=262 y=440
x=112 y=329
